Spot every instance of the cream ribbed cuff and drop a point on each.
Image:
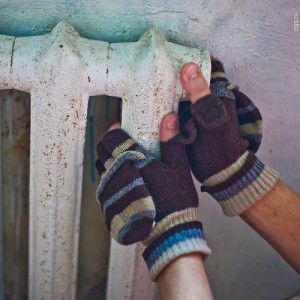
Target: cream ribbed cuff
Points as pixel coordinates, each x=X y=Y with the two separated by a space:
x=242 y=185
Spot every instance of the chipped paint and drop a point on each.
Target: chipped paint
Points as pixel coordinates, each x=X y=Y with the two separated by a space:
x=146 y=75
x=61 y=70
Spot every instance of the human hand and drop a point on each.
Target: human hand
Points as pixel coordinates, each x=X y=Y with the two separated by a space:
x=221 y=155
x=166 y=183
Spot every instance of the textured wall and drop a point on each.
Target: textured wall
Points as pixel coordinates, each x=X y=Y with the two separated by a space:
x=260 y=49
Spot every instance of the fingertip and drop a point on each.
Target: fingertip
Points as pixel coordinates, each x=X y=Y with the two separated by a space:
x=169 y=127
x=193 y=82
x=190 y=70
x=114 y=126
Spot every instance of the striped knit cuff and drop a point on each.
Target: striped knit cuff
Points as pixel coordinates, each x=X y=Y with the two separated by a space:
x=246 y=181
x=177 y=234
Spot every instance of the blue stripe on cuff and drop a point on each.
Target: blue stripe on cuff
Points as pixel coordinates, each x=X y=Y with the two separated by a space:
x=178 y=237
x=243 y=183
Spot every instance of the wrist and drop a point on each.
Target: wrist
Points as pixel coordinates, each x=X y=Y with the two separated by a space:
x=189 y=271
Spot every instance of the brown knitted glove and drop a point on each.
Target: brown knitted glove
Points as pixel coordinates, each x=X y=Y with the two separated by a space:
x=220 y=153
x=177 y=228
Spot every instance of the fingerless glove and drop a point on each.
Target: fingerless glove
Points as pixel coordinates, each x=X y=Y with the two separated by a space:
x=168 y=221
x=221 y=155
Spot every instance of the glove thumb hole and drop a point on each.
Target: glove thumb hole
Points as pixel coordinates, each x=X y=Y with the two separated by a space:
x=169 y=130
x=173 y=151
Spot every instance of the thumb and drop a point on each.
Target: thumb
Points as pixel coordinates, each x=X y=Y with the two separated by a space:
x=169 y=127
x=193 y=82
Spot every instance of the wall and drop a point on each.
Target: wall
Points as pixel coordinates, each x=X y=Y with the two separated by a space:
x=261 y=51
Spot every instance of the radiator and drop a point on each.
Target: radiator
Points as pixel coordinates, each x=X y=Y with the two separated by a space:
x=61 y=70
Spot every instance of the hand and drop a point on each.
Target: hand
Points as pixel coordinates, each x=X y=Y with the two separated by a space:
x=249 y=117
x=221 y=154
x=168 y=183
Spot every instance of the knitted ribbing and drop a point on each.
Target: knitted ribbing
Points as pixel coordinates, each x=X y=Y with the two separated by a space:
x=246 y=181
x=228 y=127
x=177 y=234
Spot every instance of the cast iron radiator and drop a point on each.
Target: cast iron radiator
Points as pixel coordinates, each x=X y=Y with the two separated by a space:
x=61 y=70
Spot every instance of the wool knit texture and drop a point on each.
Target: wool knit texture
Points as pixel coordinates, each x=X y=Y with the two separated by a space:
x=249 y=117
x=177 y=230
x=176 y=234
x=125 y=200
x=228 y=127
x=168 y=183
x=244 y=182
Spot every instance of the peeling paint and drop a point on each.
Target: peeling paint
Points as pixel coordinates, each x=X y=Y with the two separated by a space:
x=54 y=68
x=260 y=49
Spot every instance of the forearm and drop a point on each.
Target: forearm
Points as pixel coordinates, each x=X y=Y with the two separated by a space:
x=184 y=278
x=276 y=217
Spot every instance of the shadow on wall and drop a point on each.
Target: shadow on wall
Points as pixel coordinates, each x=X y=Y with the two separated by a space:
x=94 y=239
x=15 y=132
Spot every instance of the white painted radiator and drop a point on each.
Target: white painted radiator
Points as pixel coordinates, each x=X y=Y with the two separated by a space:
x=61 y=71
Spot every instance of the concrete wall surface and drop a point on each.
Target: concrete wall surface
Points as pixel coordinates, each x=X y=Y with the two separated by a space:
x=260 y=46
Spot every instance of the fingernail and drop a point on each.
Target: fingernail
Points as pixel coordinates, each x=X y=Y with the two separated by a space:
x=172 y=123
x=192 y=72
